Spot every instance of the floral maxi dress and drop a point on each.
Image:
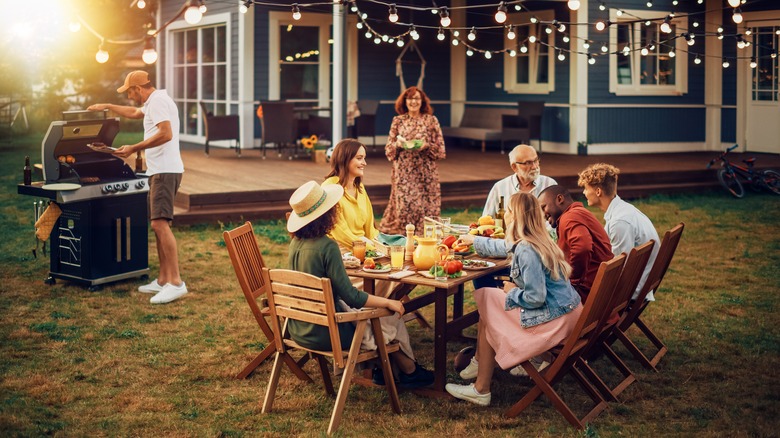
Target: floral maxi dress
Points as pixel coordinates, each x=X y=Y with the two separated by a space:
x=415 y=190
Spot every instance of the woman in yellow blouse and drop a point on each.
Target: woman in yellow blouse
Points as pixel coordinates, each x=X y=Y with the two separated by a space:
x=355 y=221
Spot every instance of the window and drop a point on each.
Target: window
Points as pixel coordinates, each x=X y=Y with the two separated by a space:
x=644 y=59
x=299 y=62
x=532 y=69
x=199 y=72
x=765 y=75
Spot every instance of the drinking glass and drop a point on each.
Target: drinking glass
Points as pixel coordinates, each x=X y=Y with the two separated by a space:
x=429 y=229
x=397 y=257
x=440 y=271
x=359 y=250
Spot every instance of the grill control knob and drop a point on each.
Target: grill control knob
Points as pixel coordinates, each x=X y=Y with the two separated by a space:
x=107 y=188
x=125 y=186
x=140 y=184
x=117 y=187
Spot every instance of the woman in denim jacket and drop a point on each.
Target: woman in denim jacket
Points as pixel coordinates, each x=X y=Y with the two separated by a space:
x=532 y=313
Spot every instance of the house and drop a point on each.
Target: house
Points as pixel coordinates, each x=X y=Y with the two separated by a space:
x=599 y=87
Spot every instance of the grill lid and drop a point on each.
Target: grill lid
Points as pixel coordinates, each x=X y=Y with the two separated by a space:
x=66 y=156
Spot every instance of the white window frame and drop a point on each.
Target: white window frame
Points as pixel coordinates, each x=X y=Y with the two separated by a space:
x=207 y=21
x=510 y=63
x=636 y=88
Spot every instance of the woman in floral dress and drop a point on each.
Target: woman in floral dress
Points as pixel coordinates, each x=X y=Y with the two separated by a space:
x=415 y=190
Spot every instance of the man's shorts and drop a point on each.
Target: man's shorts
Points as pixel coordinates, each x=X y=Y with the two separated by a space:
x=162 y=191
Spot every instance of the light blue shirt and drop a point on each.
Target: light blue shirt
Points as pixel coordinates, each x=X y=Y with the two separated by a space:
x=508 y=187
x=627 y=227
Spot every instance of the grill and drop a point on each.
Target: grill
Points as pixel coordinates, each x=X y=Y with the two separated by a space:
x=101 y=235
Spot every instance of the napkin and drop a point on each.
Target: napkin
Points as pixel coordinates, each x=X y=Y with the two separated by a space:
x=391 y=239
x=400 y=274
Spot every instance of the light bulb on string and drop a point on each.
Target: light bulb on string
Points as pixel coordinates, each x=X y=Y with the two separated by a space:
x=399 y=43
x=748 y=31
x=364 y=15
x=648 y=23
x=377 y=40
x=74 y=26
x=488 y=55
x=695 y=24
x=455 y=42
x=548 y=29
x=649 y=4
x=390 y=40
x=644 y=51
x=354 y=7
x=413 y=33
x=560 y=26
x=469 y=52
x=591 y=59
x=385 y=38
x=510 y=34
x=149 y=55
x=586 y=45
x=472 y=34
x=202 y=8
x=440 y=35
x=672 y=54
x=501 y=13
x=369 y=34
x=626 y=50
x=666 y=26
x=534 y=20
x=601 y=25
x=393 y=14
x=619 y=12
x=697 y=61
x=573 y=4
x=701 y=2
x=456 y=33
x=296 y=12
x=737 y=16
x=777 y=32
x=740 y=42
x=523 y=49
x=445 y=18
x=734 y=3
x=753 y=63
x=518 y=7
x=566 y=39
x=604 y=48
x=244 y=7
x=359 y=25
x=651 y=46
x=512 y=53
x=561 y=56
x=532 y=39
x=774 y=54
x=192 y=15
x=726 y=63
x=141 y=4
x=602 y=6
x=435 y=11
x=102 y=55
x=675 y=3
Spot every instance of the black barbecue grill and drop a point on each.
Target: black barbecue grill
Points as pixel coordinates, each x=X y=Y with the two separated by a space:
x=101 y=235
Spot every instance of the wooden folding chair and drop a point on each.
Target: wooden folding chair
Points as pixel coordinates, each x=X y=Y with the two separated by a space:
x=632 y=317
x=303 y=297
x=248 y=264
x=630 y=276
x=586 y=328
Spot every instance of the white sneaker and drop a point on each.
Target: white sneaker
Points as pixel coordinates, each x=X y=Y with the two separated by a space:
x=468 y=393
x=169 y=293
x=519 y=371
x=151 y=288
x=470 y=372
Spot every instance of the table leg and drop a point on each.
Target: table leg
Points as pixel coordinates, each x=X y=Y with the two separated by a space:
x=440 y=340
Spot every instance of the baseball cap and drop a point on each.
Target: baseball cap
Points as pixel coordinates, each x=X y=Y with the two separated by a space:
x=134 y=78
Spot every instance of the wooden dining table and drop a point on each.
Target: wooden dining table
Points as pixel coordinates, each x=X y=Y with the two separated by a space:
x=445 y=329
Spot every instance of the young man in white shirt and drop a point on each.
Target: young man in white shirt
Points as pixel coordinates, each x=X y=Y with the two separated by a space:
x=164 y=168
x=626 y=226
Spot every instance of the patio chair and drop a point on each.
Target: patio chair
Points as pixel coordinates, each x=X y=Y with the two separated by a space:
x=248 y=264
x=220 y=128
x=280 y=126
x=365 y=124
x=629 y=279
x=572 y=348
x=320 y=126
x=530 y=114
x=633 y=316
x=514 y=129
x=302 y=297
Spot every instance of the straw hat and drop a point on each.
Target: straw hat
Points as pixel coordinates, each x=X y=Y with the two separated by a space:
x=311 y=201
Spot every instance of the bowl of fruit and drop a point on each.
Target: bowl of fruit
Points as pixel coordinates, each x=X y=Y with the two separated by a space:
x=486 y=227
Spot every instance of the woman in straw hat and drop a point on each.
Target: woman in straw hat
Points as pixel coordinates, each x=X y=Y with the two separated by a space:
x=314 y=215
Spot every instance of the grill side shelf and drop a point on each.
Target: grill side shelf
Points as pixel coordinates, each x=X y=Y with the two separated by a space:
x=36 y=189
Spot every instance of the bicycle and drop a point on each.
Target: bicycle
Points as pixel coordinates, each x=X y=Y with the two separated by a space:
x=729 y=176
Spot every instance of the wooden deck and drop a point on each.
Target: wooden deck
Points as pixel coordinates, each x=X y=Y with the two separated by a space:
x=224 y=187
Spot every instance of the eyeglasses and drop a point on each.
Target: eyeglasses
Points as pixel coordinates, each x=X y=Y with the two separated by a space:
x=414 y=98
x=528 y=163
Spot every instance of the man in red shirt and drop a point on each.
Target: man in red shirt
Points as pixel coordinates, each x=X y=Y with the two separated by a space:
x=581 y=236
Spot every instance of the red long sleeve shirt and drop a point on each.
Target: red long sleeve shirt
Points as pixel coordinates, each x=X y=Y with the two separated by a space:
x=585 y=245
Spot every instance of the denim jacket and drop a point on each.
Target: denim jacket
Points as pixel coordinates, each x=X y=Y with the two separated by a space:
x=539 y=297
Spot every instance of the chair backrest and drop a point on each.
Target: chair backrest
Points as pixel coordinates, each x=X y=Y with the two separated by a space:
x=302 y=297
x=219 y=127
x=248 y=263
x=368 y=107
x=279 y=123
x=587 y=325
x=633 y=268
x=662 y=260
x=531 y=112
x=321 y=126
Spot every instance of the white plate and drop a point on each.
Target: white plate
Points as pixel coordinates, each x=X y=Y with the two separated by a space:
x=379 y=271
x=61 y=186
x=379 y=255
x=479 y=268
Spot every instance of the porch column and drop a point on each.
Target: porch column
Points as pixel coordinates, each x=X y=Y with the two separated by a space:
x=578 y=80
x=457 y=67
x=246 y=74
x=713 y=76
x=339 y=110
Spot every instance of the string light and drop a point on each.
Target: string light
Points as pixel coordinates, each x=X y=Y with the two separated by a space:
x=455 y=42
x=649 y=4
x=413 y=33
x=445 y=18
x=102 y=55
x=534 y=20
x=619 y=12
x=697 y=61
x=141 y=4
x=244 y=7
x=532 y=39
x=472 y=35
x=149 y=55
x=672 y=54
x=561 y=56
x=644 y=51
x=523 y=49
x=359 y=25
x=440 y=35
x=695 y=24
x=393 y=14
x=602 y=6
x=601 y=25
x=354 y=7
x=591 y=59
x=560 y=26
x=469 y=52
x=296 y=12
x=666 y=27
x=573 y=4
x=748 y=31
x=510 y=34
x=604 y=48
x=565 y=38
x=488 y=55
x=586 y=44
x=202 y=8
x=753 y=63
x=737 y=16
x=501 y=13
x=192 y=15
x=675 y=2
x=726 y=63
x=734 y=3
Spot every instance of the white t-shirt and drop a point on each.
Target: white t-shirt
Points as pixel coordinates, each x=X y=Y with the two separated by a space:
x=508 y=187
x=627 y=227
x=165 y=158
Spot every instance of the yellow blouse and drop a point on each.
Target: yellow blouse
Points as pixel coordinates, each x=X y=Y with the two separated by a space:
x=356 y=217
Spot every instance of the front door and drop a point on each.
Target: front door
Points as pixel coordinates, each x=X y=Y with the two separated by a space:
x=762 y=112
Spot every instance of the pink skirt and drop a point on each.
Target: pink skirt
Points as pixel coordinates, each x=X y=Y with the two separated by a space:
x=512 y=342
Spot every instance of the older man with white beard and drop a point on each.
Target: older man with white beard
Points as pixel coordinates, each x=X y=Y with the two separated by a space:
x=527 y=178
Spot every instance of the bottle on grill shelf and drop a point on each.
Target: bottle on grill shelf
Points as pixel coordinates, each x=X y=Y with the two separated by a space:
x=27 y=171
x=139 y=162
x=499 y=219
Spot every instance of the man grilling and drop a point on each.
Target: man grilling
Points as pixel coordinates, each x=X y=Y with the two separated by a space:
x=164 y=168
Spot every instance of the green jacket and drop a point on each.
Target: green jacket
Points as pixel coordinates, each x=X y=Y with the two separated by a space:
x=321 y=257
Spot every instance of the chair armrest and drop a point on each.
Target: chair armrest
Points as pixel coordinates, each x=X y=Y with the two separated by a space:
x=362 y=315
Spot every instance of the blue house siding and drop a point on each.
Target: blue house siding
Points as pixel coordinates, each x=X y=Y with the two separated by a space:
x=646 y=125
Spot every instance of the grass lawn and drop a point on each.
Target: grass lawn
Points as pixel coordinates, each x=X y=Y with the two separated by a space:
x=108 y=363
